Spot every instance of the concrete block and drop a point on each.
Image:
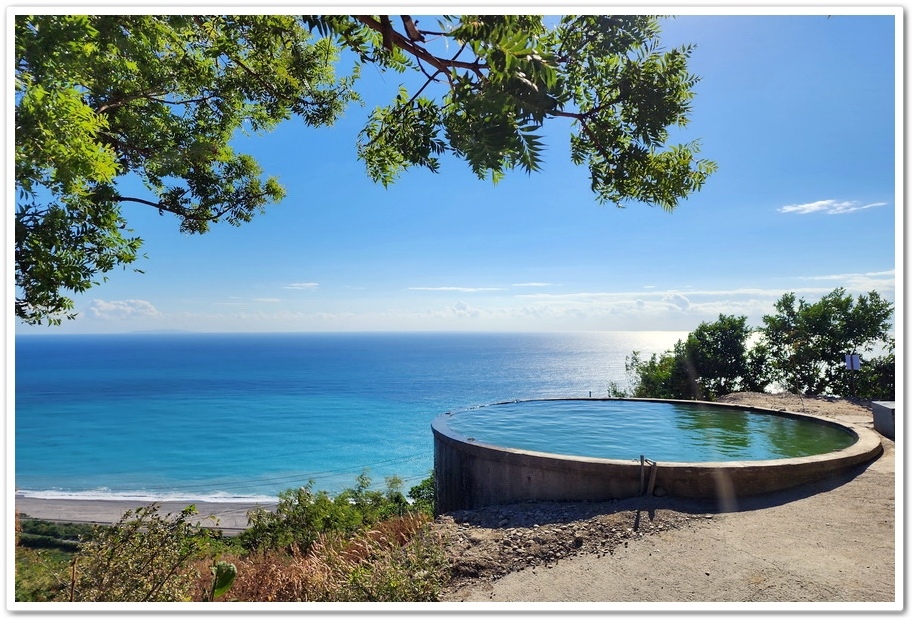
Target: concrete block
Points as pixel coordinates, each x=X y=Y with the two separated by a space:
x=883 y=415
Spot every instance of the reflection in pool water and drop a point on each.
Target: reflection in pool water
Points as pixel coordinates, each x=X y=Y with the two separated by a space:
x=661 y=431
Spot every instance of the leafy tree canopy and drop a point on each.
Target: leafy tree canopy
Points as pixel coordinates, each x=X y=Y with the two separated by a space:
x=802 y=348
x=717 y=353
x=808 y=342
x=159 y=98
x=712 y=362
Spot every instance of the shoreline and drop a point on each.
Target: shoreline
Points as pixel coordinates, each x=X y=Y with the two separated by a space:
x=230 y=517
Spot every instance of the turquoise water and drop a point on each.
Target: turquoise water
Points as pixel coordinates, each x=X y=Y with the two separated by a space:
x=660 y=431
x=244 y=417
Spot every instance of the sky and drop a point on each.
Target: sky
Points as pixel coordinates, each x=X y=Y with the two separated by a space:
x=802 y=114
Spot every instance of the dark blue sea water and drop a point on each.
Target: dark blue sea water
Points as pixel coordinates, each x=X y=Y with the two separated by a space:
x=244 y=417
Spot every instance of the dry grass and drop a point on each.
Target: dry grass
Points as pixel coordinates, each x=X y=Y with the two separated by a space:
x=397 y=560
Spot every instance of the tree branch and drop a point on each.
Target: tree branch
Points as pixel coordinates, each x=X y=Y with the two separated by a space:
x=162 y=207
x=126 y=100
x=418 y=51
x=594 y=139
x=159 y=206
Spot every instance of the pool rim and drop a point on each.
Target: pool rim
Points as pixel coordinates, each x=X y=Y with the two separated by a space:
x=440 y=425
x=473 y=474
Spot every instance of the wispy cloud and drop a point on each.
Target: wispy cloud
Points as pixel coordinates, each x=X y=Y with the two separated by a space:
x=454 y=289
x=679 y=298
x=535 y=284
x=864 y=282
x=671 y=296
x=463 y=310
x=301 y=286
x=122 y=310
x=678 y=301
x=830 y=206
x=847 y=276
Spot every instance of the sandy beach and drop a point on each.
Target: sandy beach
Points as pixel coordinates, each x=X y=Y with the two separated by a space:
x=230 y=517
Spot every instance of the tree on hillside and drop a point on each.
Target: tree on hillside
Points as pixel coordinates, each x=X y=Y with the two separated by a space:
x=717 y=352
x=665 y=375
x=807 y=342
x=712 y=362
x=158 y=99
x=876 y=379
x=802 y=348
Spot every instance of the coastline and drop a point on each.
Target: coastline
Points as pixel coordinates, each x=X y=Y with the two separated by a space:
x=230 y=517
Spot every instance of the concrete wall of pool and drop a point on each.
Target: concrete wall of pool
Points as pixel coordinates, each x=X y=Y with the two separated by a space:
x=471 y=475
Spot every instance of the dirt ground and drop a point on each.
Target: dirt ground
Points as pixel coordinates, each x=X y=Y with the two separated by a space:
x=824 y=543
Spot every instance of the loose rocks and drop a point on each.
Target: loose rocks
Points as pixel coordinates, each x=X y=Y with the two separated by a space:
x=488 y=543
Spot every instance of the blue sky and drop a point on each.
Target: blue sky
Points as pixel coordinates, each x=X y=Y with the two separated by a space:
x=797 y=110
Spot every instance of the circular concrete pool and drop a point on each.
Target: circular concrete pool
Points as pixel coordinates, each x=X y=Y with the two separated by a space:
x=600 y=449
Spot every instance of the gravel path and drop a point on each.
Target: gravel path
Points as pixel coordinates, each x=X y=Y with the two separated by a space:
x=826 y=543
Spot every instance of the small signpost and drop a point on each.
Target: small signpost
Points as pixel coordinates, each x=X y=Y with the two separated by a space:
x=853 y=363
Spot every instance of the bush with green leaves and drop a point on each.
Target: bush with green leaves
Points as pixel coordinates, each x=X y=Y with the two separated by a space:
x=302 y=515
x=424 y=495
x=41 y=574
x=40 y=534
x=145 y=557
x=875 y=380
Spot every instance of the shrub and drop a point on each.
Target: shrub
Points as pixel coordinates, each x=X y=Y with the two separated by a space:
x=302 y=515
x=388 y=568
x=49 y=535
x=62 y=531
x=876 y=380
x=144 y=557
x=41 y=575
x=399 y=559
x=424 y=495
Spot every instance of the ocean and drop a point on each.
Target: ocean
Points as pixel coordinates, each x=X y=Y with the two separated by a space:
x=243 y=417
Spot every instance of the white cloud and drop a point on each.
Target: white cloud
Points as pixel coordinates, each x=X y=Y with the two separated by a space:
x=463 y=310
x=830 y=206
x=674 y=297
x=455 y=289
x=535 y=284
x=861 y=282
x=301 y=286
x=856 y=276
x=678 y=301
x=517 y=309
x=122 y=310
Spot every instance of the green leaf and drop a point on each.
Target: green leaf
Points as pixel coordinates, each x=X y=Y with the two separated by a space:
x=224 y=574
